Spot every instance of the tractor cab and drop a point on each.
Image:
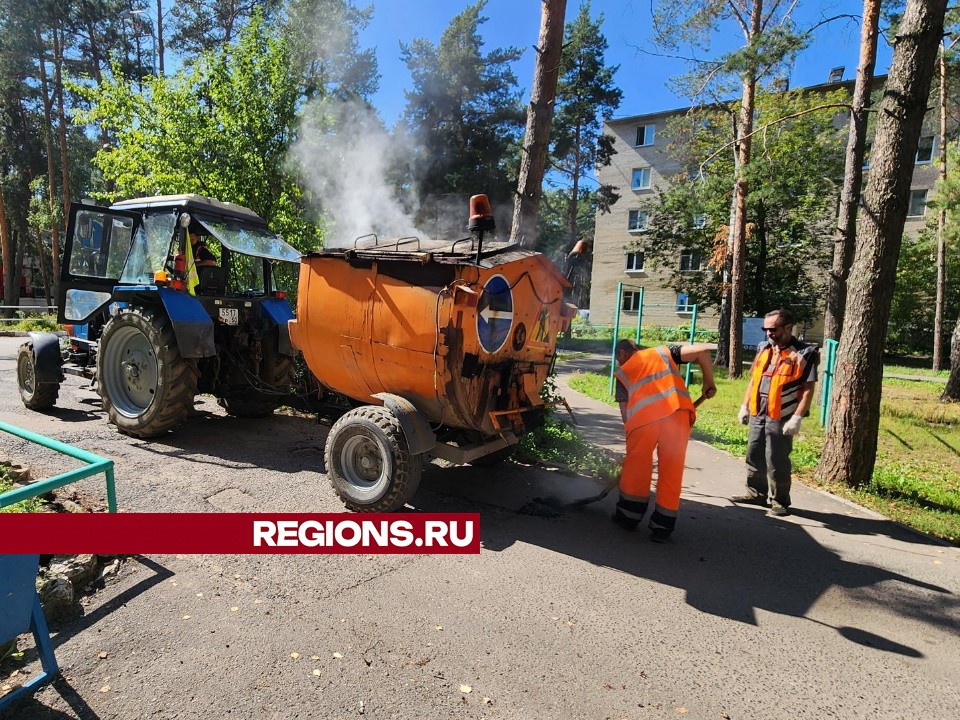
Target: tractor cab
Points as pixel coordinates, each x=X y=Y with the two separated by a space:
x=180 y=274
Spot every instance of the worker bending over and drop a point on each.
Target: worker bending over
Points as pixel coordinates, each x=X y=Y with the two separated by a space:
x=657 y=414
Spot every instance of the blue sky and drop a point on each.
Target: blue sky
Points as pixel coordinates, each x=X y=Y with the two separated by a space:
x=642 y=77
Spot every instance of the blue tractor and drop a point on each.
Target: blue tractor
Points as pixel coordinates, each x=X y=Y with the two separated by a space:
x=152 y=325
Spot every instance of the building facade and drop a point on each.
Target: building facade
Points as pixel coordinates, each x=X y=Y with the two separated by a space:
x=641 y=169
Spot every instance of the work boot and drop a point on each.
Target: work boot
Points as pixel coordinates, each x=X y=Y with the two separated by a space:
x=749 y=499
x=623 y=521
x=778 y=509
x=660 y=535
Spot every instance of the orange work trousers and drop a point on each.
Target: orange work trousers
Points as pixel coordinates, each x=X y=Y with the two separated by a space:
x=669 y=436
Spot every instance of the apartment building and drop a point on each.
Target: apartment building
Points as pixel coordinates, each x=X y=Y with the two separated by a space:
x=642 y=168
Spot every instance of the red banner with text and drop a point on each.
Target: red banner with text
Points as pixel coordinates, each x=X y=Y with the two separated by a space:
x=239 y=533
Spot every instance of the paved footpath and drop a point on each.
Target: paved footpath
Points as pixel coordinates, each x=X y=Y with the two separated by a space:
x=840 y=567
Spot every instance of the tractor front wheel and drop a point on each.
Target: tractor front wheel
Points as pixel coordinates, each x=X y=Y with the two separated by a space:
x=35 y=395
x=147 y=388
x=369 y=463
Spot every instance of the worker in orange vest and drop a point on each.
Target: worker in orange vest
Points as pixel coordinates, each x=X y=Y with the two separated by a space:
x=778 y=396
x=657 y=414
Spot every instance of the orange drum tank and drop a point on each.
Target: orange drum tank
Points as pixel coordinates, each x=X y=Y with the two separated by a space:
x=443 y=348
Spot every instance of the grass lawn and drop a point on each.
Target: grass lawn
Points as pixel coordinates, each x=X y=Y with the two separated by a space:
x=916 y=480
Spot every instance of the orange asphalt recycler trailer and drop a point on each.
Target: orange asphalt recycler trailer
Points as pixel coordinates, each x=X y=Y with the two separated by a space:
x=444 y=347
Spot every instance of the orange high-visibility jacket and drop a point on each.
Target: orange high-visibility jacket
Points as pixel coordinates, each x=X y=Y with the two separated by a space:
x=654 y=386
x=787 y=376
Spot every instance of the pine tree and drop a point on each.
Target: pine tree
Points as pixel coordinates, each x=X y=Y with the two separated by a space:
x=586 y=96
x=465 y=116
x=849 y=451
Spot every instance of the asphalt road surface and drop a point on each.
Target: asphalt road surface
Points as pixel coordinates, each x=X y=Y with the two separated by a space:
x=831 y=613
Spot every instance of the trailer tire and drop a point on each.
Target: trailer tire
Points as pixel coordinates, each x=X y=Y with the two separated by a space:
x=35 y=395
x=369 y=463
x=276 y=370
x=146 y=386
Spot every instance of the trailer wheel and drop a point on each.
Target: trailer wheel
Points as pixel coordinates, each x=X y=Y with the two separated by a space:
x=35 y=395
x=369 y=463
x=146 y=386
x=276 y=370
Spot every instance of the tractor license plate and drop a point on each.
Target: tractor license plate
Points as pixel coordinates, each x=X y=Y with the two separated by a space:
x=229 y=316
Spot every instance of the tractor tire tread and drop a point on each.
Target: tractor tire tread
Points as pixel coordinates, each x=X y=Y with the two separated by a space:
x=182 y=378
x=44 y=395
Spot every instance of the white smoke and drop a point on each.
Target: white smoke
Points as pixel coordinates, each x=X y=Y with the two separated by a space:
x=345 y=156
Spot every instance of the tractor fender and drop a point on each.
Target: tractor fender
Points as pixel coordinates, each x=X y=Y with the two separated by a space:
x=279 y=312
x=192 y=325
x=47 y=358
x=420 y=438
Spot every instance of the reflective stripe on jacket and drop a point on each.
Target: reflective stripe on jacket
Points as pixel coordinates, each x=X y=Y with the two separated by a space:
x=786 y=378
x=654 y=386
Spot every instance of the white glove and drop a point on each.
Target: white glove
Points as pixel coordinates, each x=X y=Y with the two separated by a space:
x=744 y=415
x=792 y=426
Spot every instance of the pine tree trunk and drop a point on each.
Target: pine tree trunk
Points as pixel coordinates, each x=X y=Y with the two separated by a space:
x=61 y=118
x=849 y=452
x=51 y=170
x=941 y=218
x=533 y=159
x=738 y=256
x=846 y=232
x=10 y=285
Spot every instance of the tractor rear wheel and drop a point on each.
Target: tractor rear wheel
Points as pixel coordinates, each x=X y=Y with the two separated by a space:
x=35 y=395
x=146 y=386
x=369 y=463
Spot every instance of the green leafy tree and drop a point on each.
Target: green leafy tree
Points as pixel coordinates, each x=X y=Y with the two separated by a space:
x=220 y=127
x=913 y=307
x=769 y=41
x=586 y=95
x=794 y=175
x=465 y=117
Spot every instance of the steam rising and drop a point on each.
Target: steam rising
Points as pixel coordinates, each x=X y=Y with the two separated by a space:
x=345 y=156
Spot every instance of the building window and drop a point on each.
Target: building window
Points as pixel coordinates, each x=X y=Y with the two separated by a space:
x=925 y=150
x=645 y=135
x=631 y=301
x=918 y=203
x=637 y=221
x=691 y=261
x=700 y=221
x=683 y=303
x=634 y=261
x=641 y=179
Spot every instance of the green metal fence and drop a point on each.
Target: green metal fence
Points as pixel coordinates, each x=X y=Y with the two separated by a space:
x=95 y=466
x=692 y=309
x=827 y=383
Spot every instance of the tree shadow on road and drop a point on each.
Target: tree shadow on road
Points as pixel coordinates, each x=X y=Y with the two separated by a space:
x=730 y=561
